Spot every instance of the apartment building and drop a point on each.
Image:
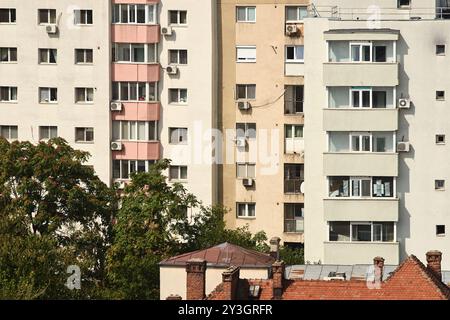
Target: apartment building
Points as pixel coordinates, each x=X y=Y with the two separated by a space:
x=375 y=143
x=261 y=115
x=123 y=80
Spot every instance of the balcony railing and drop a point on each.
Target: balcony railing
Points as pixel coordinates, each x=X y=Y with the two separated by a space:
x=293 y=225
x=293 y=106
x=292 y=185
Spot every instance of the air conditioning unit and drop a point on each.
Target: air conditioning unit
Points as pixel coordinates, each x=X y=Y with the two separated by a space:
x=335 y=276
x=247 y=182
x=244 y=105
x=51 y=29
x=404 y=103
x=172 y=69
x=166 y=31
x=291 y=29
x=241 y=142
x=116 y=146
x=116 y=106
x=403 y=147
x=302 y=188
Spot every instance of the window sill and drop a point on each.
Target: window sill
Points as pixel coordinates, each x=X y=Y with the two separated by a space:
x=178 y=144
x=178 y=181
x=9 y=102
x=294 y=232
x=135 y=24
x=175 y=25
x=8 y=23
x=134 y=101
x=246 y=218
x=178 y=104
x=136 y=62
x=139 y=141
x=294 y=61
x=361 y=198
x=85 y=142
x=250 y=22
x=440 y=235
x=47 y=64
x=8 y=62
x=48 y=103
x=84 y=63
x=240 y=61
x=439 y=189
x=84 y=103
x=84 y=24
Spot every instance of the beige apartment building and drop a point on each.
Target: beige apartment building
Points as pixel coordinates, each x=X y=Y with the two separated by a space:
x=261 y=106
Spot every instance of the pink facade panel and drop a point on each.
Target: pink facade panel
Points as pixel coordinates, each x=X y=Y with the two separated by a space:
x=135 y=72
x=134 y=33
x=141 y=111
x=138 y=151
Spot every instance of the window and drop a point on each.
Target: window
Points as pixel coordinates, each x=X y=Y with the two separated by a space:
x=84 y=95
x=404 y=3
x=361 y=187
x=440 y=230
x=440 y=49
x=246 y=170
x=84 y=56
x=48 y=95
x=47 y=56
x=178 y=173
x=361 y=97
x=246 y=14
x=47 y=16
x=8 y=54
x=178 y=57
x=293 y=131
x=9 y=132
x=246 y=130
x=134 y=13
x=177 y=17
x=7 y=15
x=293 y=217
x=84 y=134
x=178 y=96
x=382 y=187
x=48 y=132
x=361 y=52
x=439 y=185
x=440 y=95
x=135 y=91
x=293 y=178
x=294 y=53
x=440 y=139
x=246 y=210
x=246 y=91
x=246 y=53
x=136 y=53
x=380 y=53
x=295 y=14
x=83 y=17
x=293 y=99
x=178 y=135
x=362 y=231
x=122 y=169
x=361 y=142
x=135 y=130
x=293 y=138
x=8 y=94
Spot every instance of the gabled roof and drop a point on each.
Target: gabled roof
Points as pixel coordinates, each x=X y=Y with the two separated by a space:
x=224 y=255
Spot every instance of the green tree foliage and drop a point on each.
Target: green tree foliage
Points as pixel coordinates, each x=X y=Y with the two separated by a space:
x=292 y=256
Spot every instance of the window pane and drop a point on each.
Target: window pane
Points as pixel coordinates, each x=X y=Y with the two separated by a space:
x=133 y=128
x=366 y=53
x=355 y=99
x=152 y=94
x=3 y=54
x=138 y=53
x=43 y=56
x=124 y=91
x=365 y=188
x=339 y=231
x=133 y=91
x=298 y=131
x=53 y=55
x=173 y=17
x=290 y=53
x=299 y=52
x=173 y=56
x=289 y=131
x=183 y=17
x=115 y=91
x=356 y=188
x=80 y=95
x=173 y=172
x=183 y=173
x=89 y=134
x=90 y=94
x=125 y=169
x=13 y=54
x=241 y=14
x=43 y=16
x=13 y=93
x=89 y=56
x=379 y=99
x=79 y=134
x=125 y=130
x=361 y=232
x=142 y=91
x=339 y=186
x=79 y=54
x=366 y=99
x=141 y=166
x=116 y=169
x=291 y=13
x=152 y=133
x=251 y=171
x=124 y=13
x=251 y=11
x=251 y=210
x=388 y=231
x=251 y=91
x=141 y=131
x=183 y=57
x=355 y=143
x=151 y=53
x=241 y=171
x=355 y=53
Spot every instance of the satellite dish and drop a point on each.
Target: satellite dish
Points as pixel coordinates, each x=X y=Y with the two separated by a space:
x=302 y=187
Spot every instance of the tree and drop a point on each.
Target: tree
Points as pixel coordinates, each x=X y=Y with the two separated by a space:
x=54 y=211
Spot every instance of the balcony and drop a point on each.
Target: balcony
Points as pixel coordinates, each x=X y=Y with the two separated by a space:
x=138 y=150
x=140 y=111
x=360 y=164
x=341 y=119
x=349 y=253
x=292 y=186
x=135 y=72
x=381 y=74
x=132 y=33
x=350 y=209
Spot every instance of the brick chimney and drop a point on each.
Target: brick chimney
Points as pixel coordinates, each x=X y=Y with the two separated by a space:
x=278 y=279
x=230 y=281
x=378 y=263
x=434 y=258
x=195 y=279
x=275 y=248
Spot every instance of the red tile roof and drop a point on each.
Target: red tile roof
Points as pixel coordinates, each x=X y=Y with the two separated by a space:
x=225 y=254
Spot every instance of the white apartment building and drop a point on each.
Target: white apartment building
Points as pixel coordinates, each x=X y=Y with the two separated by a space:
x=375 y=137
x=113 y=77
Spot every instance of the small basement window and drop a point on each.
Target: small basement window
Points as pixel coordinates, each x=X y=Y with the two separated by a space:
x=440 y=49
x=440 y=95
x=439 y=184
x=440 y=230
x=440 y=139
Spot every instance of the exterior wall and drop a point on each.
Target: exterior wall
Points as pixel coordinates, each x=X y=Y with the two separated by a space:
x=173 y=279
x=361 y=252
x=199 y=76
x=28 y=75
x=268 y=73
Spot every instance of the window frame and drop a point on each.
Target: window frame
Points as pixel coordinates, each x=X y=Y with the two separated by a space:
x=246 y=8
x=372 y=232
x=150 y=11
x=49 y=131
x=10 y=16
x=361 y=44
x=295 y=218
x=247 y=127
x=438 y=142
x=179 y=95
x=441 y=46
x=10 y=89
x=437 y=184
x=178 y=136
x=440 y=95
x=440 y=234
x=49 y=17
x=179 y=178
x=296 y=59
x=246 y=88
x=10 y=131
x=246 y=210
x=135 y=125
x=148 y=48
x=9 y=49
x=148 y=163
x=350 y=185
x=129 y=85
x=48 y=52
x=245 y=60
x=85 y=135
x=246 y=165
x=83 y=15
x=85 y=55
x=298 y=9
x=178 y=54
x=50 y=91
x=178 y=22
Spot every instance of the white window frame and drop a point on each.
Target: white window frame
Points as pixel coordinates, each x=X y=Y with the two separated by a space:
x=179 y=167
x=147 y=91
x=48 y=92
x=360 y=102
x=246 y=86
x=246 y=165
x=178 y=135
x=84 y=51
x=81 y=13
x=178 y=62
x=85 y=132
x=86 y=95
x=10 y=130
x=246 y=8
x=148 y=163
x=49 y=131
x=247 y=205
x=371 y=223
x=298 y=8
x=147 y=48
x=9 y=55
x=135 y=125
x=246 y=129
x=48 y=50
x=10 y=10
x=49 y=11
x=361 y=44
x=360 y=135
x=245 y=59
x=10 y=94
x=179 y=96
x=371 y=178
x=150 y=11
x=296 y=59
x=178 y=23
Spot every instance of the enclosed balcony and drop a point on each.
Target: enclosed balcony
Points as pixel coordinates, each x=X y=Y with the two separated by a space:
x=360 y=164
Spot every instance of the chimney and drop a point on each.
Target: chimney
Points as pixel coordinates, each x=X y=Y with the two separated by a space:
x=230 y=281
x=275 y=248
x=378 y=263
x=434 y=258
x=195 y=279
x=278 y=279
x=174 y=297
